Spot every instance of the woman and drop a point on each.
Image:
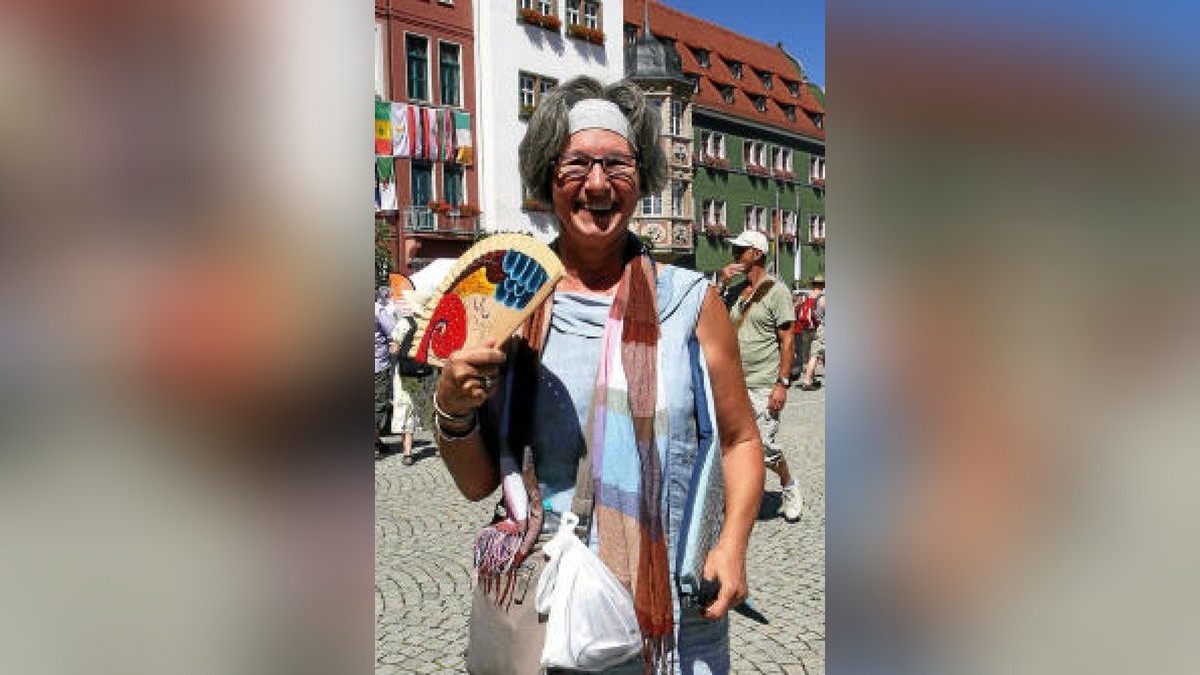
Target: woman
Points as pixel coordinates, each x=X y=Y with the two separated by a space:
x=593 y=152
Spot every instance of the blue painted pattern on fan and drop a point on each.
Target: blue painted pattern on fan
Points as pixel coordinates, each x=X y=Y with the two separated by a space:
x=523 y=276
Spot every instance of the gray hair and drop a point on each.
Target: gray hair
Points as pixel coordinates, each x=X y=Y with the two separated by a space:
x=547 y=133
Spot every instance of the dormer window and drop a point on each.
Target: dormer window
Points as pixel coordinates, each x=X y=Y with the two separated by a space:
x=695 y=79
x=702 y=57
x=793 y=87
x=790 y=111
x=766 y=79
x=727 y=93
x=760 y=103
x=735 y=68
x=818 y=119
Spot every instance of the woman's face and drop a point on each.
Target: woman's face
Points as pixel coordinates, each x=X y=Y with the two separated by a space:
x=595 y=207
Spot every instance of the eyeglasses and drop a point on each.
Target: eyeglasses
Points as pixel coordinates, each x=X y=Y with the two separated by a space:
x=575 y=166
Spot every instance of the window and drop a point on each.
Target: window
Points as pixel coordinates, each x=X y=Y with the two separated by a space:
x=754 y=153
x=816 y=227
x=712 y=144
x=591 y=14
x=546 y=6
x=735 y=67
x=816 y=168
x=727 y=93
x=785 y=220
x=451 y=81
x=422 y=183
x=793 y=87
x=676 y=121
x=630 y=33
x=418 y=66
x=532 y=87
x=790 y=111
x=818 y=119
x=452 y=185
x=760 y=103
x=573 y=12
x=781 y=159
x=677 y=193
x=766 y=79
x=381 y=70
x=652 y=204
x=702 y=57
x=756 y=218
x=695 y=82
x=527 y=91
x=526 y=4
x=713 y=212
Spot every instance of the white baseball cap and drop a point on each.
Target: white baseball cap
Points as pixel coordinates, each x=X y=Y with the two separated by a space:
x=751 y=239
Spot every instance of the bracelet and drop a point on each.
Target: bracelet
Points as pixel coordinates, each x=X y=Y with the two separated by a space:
x=451 y=436
x=463 y=419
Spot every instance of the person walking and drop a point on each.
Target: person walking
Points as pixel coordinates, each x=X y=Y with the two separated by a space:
x=817 y=350
x=630 y=348
x=809 y=316
x=761 y=310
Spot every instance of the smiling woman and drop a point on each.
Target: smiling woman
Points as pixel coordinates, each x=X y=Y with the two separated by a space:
x=630 y=368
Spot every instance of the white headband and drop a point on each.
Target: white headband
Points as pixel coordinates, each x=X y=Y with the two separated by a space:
x=597 y=113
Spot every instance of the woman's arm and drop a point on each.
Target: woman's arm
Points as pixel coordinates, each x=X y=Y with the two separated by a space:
x=460 y=393
x=741 y=451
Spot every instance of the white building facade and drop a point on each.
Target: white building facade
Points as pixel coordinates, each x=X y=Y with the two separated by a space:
x=524 y=48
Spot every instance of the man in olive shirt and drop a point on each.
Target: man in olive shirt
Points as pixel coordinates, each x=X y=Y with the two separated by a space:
x=761 y=309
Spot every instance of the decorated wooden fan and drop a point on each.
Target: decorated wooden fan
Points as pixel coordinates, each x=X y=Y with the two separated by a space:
x=492 y=288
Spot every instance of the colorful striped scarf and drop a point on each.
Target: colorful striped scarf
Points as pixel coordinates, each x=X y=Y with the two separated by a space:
x=626 y=424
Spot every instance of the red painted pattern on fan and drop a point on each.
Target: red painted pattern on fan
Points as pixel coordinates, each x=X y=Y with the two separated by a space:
x=447 y=329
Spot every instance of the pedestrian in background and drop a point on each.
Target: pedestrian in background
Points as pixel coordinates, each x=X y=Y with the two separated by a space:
x=413 y=382
x=809 y=314
x=385 y=349
x=816 y=355
x=761 y=310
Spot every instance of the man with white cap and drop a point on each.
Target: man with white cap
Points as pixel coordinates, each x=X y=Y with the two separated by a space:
x=761 y=309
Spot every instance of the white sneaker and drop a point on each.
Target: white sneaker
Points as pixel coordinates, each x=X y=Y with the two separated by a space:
x=793 y=503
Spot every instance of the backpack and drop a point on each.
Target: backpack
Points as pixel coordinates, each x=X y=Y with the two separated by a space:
x=806 y=316
x=406 y=365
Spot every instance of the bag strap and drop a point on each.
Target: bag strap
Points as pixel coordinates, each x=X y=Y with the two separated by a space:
x=758 y=295
x=585 y=498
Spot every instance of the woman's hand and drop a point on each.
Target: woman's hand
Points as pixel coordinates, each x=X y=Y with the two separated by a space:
x=468 y=377
x=727 y=566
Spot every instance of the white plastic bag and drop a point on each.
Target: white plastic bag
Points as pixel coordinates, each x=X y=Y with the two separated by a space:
x=591 y=624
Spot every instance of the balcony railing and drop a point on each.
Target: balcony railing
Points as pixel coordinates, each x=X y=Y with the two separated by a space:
x=422 y=219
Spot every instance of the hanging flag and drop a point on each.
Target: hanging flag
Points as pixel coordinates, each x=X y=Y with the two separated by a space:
x=431 y=133
x=401 y=138
x=416 y=125
x=447 y=125
x=464 y=153
x=383 y=128
x=385 y=172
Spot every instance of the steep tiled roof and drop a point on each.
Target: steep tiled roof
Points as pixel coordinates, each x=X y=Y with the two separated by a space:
x=723 y=45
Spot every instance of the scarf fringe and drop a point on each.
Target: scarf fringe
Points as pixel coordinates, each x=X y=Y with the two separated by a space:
x=496 y=557
x=658 y=655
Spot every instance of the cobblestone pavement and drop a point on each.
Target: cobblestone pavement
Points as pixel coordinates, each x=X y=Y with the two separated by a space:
x=424 y=530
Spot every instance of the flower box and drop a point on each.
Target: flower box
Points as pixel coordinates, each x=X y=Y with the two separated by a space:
x=756 y=170
x=582 y=32
x=785 y=175
x=716 y=230
x=525 y=111
x=441 y=208
x=536 y=18
x=468 y=210
x=714 y=161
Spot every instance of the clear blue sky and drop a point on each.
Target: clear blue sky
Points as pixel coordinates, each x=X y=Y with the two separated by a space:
x=798 y=24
